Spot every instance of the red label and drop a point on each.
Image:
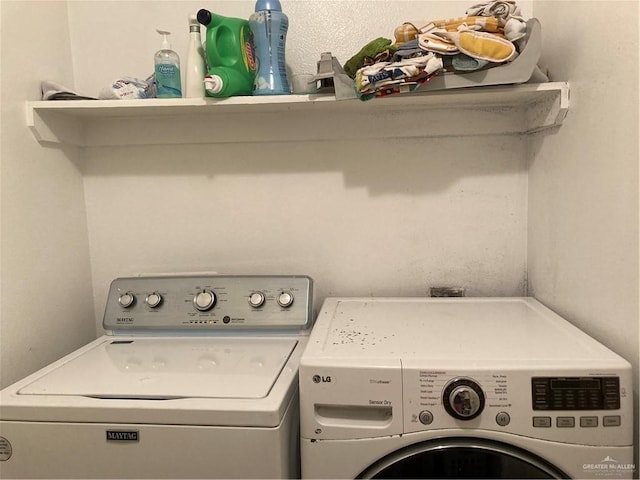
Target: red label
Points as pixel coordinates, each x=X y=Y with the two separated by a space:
x=251 y=60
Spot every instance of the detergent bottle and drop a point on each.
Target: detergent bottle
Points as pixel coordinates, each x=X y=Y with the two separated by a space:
x=230 y=55
x=269 y=26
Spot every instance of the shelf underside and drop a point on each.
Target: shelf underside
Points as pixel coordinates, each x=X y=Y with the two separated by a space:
x=504 y=110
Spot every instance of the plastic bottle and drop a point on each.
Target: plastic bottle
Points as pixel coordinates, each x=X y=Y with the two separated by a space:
x=167 y=70
x=230 y=55
x=269 y=26
x=194 y=76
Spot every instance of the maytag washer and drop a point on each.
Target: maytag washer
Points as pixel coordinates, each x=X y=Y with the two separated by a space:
x=460 y=388
x=196 y=378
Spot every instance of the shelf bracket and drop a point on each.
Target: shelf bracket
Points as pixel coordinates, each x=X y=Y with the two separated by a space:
x=55 y=127
x=550 y=110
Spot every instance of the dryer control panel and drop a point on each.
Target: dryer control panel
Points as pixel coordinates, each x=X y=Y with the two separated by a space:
x=584 y=407
x=209 y=302
x=575 y=393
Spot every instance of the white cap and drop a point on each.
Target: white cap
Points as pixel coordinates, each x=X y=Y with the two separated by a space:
x=213 y=83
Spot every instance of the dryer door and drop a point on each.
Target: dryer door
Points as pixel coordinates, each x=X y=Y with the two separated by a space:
x=462 y=458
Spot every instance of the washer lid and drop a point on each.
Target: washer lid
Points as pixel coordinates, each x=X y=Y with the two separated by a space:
x=166 y=368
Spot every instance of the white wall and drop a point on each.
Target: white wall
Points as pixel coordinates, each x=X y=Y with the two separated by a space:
x=46 y=294
x=583 y=181
x=360 y=217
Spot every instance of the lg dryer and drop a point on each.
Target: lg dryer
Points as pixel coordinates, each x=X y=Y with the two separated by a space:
x=460 y=388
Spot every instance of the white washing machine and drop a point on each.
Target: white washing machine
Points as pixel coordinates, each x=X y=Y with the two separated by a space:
x=460 y=388
x=197 y=378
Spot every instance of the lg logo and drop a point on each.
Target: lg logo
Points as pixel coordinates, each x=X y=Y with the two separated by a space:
x=321 y=379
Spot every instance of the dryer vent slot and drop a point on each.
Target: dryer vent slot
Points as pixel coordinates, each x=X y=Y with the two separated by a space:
x=371 y=416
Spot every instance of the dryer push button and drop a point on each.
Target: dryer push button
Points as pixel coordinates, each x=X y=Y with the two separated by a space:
x=426 y=417
x=565 y=422
x=503 y=419
x=588 y=421
x=542 y=422
x=611 y=421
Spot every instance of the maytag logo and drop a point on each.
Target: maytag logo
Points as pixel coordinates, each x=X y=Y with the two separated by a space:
x=124 y=320
x=122 y=436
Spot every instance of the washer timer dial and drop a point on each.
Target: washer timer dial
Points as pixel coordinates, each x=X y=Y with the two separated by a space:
x=204 y=301
x=463 y=399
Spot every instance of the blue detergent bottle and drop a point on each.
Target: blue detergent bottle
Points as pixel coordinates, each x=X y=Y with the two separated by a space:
x=269 y=27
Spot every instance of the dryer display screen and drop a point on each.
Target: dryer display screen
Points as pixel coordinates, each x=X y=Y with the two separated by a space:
x=575 y=393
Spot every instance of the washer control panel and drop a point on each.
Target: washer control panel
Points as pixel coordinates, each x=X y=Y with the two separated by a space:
x=209 y=302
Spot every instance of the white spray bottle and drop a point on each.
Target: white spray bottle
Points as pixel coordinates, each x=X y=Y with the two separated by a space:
x=196 y=70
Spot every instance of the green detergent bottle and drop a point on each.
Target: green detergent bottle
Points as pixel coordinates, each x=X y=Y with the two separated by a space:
x=230 y=55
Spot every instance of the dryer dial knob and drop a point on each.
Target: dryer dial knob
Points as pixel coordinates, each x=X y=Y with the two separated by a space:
x=463 y=399
x=204 y=301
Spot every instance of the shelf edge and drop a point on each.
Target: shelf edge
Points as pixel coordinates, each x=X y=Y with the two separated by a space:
x=543 y=105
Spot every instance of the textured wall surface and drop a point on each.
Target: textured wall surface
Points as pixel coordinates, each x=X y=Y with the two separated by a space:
x=556 y=213
x=583 y=182
x=46 y=295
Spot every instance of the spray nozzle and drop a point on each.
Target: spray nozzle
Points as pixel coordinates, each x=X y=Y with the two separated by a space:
x=165 y=42
x=194 y=24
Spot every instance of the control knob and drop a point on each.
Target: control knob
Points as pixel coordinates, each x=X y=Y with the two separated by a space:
x=153 y=300
x=463 y=399
x=256 y=299
x=204 y=301
x=285 y=299
x=127 y=299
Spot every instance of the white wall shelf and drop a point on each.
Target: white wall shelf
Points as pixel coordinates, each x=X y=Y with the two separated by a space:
x=504 y=110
